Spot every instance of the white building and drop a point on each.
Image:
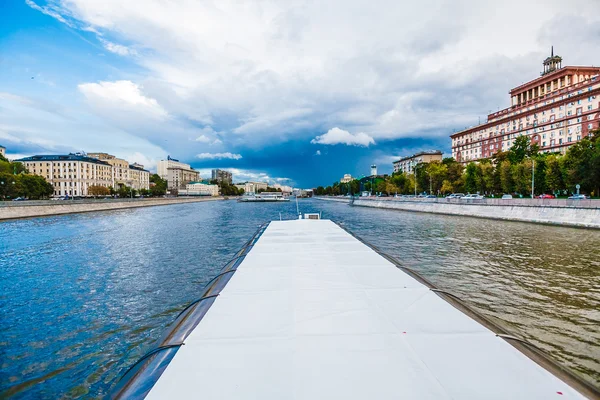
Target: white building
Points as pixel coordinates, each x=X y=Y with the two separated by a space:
x=71 y=175
x=284 y=188
x=2 y=151
x=346 y=179
x=199 y=189
x=176 y=173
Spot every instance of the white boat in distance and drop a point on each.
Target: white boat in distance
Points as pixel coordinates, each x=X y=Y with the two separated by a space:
x=264 y=197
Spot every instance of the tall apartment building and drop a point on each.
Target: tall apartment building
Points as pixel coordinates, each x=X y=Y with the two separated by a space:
x=407 y=164
x=177 y=174
x=70 y=174
x=222 y=176
x=555 y=110
x=125 y=174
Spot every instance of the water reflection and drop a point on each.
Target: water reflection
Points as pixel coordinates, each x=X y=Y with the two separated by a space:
x=82 y=296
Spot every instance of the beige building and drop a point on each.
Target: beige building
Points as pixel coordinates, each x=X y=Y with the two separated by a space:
x=71 y=175
x=407 y=164
x=176 y=173
x=555 y=111
x=199 y=189
x=346 y=179
x=2 y=151
x=124 y=174
x=252 y=187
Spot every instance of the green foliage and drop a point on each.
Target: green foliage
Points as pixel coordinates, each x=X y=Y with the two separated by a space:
x=471 y=178
x=126 y=191
x=23 y=185
x=505 y=172
x=521 y=148
x=159 y=187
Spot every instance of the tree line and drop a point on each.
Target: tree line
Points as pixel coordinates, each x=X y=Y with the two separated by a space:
x=16 y=182
x=508 y=172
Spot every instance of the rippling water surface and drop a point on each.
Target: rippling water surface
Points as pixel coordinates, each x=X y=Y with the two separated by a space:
x=83 y=296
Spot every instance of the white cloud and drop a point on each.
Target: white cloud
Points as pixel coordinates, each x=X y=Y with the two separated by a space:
x=208 y=136
x=318 y=153
x=219 y=156
x=120 y=94
x=340 y=136
x=117 y=48
x=203 y=139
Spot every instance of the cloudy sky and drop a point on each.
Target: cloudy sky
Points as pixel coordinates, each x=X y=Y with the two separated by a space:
x=288 y=91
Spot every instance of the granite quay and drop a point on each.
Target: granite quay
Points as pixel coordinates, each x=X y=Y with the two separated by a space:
x=576 y=213
x=42 y=208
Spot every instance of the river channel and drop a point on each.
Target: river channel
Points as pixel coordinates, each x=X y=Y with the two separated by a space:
x=83 y=296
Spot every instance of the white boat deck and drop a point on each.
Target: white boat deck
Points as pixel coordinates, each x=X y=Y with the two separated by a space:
x=313 y=313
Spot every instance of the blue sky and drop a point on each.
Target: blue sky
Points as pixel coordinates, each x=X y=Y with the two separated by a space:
x=284 y=91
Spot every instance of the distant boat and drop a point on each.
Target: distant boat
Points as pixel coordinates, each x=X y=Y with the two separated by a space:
x=264 y=197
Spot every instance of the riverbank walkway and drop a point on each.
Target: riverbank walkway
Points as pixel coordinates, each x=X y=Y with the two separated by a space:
x=314 y=313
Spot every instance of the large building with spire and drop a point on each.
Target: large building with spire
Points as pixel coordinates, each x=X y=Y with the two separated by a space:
x=555 y=110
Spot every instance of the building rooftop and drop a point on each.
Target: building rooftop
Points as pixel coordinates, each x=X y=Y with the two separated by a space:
x=421 y=153
x=68 y=157
x=137 y=168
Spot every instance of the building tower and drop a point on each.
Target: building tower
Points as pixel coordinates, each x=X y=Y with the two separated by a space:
x=552 y=63
x=373 y=170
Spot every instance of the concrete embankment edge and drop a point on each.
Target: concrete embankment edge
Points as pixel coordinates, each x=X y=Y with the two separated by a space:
x=564 y=216
x=30 y=211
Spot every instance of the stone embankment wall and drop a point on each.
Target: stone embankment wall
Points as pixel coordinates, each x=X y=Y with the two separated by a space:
x=585 y=214
x=29 y=209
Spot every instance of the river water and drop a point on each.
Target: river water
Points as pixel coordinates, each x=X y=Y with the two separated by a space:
x=83 y=296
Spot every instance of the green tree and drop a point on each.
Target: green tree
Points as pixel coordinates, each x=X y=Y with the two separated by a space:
x=438 y=172
x=581 y=164
x=521 y=148
x=554 y=179
x=158 y=185
x=488 y=178
x=447 y=187
x=521 y=175
x=506 y=181
x=471 y=177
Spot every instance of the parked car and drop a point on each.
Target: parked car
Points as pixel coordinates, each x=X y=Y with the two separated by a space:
x=546 y=196
x=472 y=197
x=577 y=197
x=431 y=196
x=506 y=196
x=19 y=199
x=455 y=196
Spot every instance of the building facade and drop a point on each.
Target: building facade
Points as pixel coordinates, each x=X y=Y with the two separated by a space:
x=407 y=165
x=177 y=174
x=252 y=187
x=221 y=176
x=199 y=189
x=347 y=178
x=555 y=111
x=71 y=175
x=2 y=151
x=125 y=174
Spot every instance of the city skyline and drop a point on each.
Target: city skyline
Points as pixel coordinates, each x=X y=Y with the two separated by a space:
x=272 y=92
